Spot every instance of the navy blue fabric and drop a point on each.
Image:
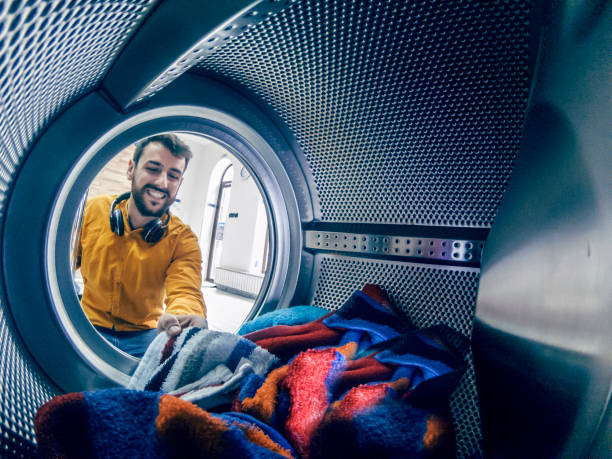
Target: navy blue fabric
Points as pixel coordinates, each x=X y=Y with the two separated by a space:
x=125 y=415
x=392 y=430
x=242 y=349
x=267 y=429
x=429 y=350
x=362 y=313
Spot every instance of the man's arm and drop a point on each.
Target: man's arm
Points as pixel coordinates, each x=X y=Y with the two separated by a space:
x=184 y=301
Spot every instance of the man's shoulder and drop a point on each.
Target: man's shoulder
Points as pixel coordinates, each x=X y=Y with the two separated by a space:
x=99 y=204
x=176 y=224
x=95 y=216
x=186 y=244
x=178 y=227
x=101 y=201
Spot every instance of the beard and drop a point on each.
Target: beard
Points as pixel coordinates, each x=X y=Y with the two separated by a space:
x=139 y=200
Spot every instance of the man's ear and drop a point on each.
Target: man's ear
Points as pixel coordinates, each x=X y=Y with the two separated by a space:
x=130 y=169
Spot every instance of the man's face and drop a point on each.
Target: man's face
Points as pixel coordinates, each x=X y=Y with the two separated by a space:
x=155 y=179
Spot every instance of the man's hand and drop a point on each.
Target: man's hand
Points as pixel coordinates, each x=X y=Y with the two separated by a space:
x=173 y=325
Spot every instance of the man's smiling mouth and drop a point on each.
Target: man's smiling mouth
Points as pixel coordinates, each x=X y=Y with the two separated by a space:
x=155 y=194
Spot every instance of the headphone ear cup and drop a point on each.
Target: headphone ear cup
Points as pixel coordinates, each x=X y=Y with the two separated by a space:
x=116 y=216
x=153 y=231
x=116 y=222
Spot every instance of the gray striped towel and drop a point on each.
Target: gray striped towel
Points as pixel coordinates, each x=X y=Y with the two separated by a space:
x=201 y=366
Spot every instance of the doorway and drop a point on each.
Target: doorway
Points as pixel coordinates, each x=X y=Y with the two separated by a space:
x=221 y=213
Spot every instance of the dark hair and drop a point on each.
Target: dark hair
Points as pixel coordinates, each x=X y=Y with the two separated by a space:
x=176 y=146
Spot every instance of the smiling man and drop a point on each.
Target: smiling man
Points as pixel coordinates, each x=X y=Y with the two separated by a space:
x=142 y=270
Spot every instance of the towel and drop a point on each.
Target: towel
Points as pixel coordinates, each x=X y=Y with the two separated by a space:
x=295 y=315
x=374 y=421
x=357 y=382
x=109 y=423
x=123 y=423
x=327 y=389
x=200 y=366
x=362 y=319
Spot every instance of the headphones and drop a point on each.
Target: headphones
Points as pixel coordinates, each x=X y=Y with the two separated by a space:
x=152 y=232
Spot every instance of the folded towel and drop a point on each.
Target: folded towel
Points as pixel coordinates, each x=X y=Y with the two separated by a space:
x=295 y=315
x=200 y=366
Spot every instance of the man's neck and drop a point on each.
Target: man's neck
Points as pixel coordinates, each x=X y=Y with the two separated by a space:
x=135 y=218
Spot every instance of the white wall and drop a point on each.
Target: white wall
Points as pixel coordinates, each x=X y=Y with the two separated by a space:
x=239 y=235
x=242 y=244
x=194 y=189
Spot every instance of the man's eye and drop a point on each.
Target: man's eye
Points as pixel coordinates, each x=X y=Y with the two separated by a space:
x=152 y=169
x=173 y=177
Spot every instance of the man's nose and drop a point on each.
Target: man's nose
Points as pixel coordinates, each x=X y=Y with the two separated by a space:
x=161 y=181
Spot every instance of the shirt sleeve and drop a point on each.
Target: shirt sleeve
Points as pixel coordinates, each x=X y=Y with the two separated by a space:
x=184 y=278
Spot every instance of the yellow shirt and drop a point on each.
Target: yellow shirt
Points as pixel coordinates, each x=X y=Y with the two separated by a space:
x=126 y=279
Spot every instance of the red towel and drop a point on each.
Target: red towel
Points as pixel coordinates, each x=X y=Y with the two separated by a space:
x=286 y=341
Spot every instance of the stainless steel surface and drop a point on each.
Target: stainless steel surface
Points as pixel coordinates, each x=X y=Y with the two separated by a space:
x=374 y=113
x=460 y=251
x=52 y=53
x=189 y=31
x=407 y=112
x=543 y=329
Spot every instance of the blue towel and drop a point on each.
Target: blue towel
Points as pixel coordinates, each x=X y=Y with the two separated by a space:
x=296 y=315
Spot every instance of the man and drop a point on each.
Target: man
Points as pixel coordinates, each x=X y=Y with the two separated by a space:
x=145 y=257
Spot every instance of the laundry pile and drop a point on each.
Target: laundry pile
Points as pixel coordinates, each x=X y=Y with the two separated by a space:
x=359 y=382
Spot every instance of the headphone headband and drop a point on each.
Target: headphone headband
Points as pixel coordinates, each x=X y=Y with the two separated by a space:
x=152 y=232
